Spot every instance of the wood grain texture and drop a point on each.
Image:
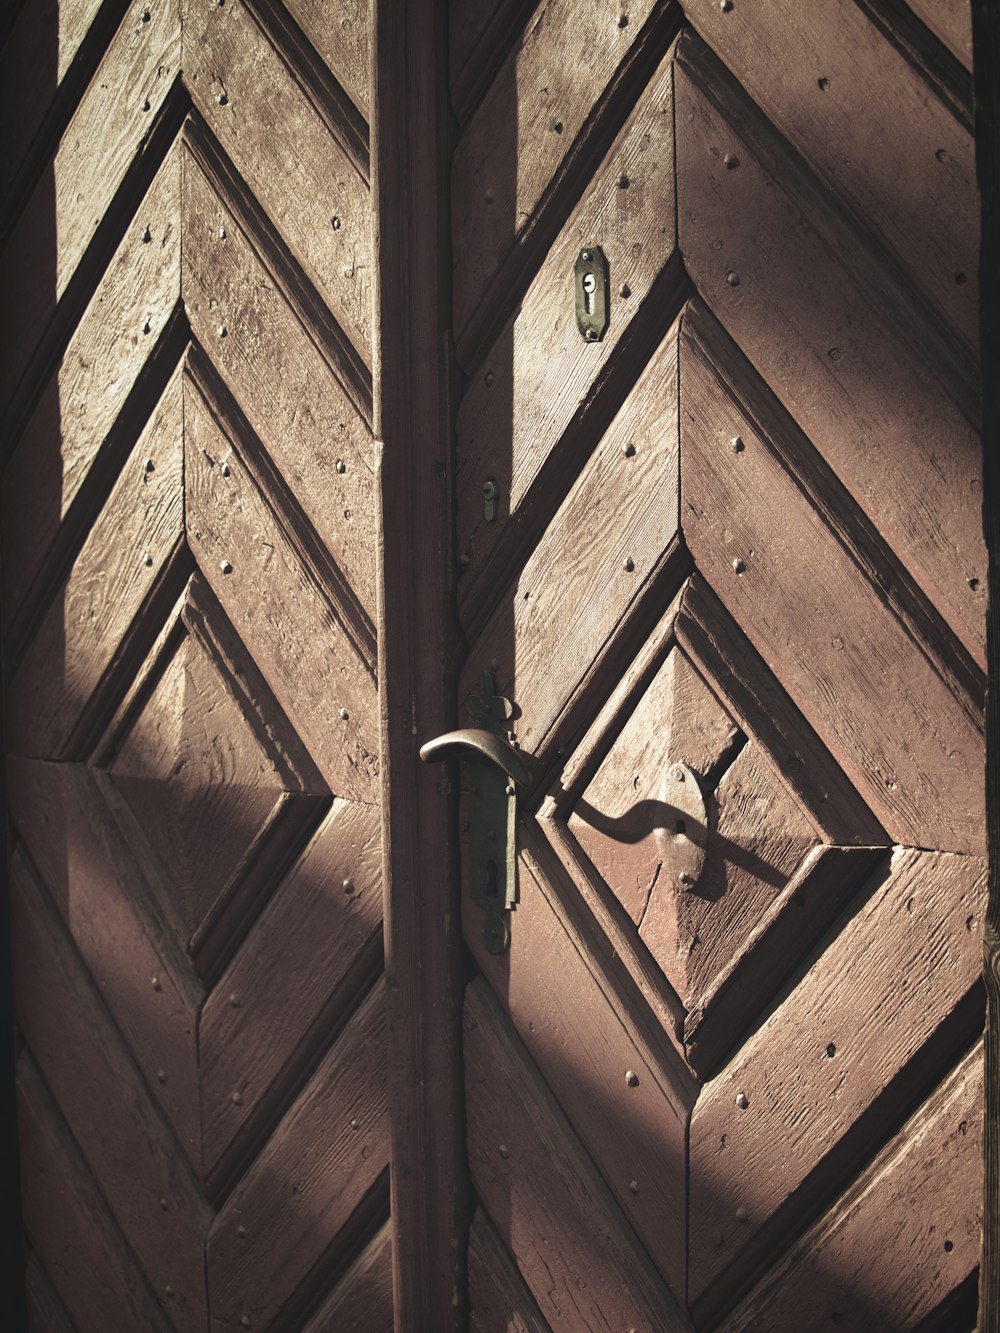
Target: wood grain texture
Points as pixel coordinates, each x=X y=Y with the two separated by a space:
x=302 y=1188
x=536 y=384
x=103 y=360
x=848 y=379
x=574 y=1248
x=68 y=1223
x=295 y=974
x=143 y=978
x=341 y=33
x=280 y=140
x=606 y=539
x=764 y=536
x=361 y=1302
x=275 y=599
x=101 y=140
x=480 y=38
x=906 y=959
x=46 y=1312
x=951 y=22
x=574 y=1018
x=563 y=60
x=283 y=374
x=498 y=1298
x=870 y=130
x=906 y=1231
x=118 y=566
x=146 y=1183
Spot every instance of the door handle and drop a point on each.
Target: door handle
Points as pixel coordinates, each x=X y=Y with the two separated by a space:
x=492 y=769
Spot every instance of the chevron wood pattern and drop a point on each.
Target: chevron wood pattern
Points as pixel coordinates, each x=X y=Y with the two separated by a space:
x=741 y=535
x=737 y=539
x=189 y=627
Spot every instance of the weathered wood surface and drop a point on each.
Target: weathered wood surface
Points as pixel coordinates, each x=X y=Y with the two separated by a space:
x=861 y=115
x=608 y=536
x=118 y=566
x=762 y=1131
x=103 y=137
x=532 y=398
x=767 y=537
x=87 y=1067
x=569 y=1009
x=571 y=1243
x=951 y=22
x=515 y=142
x=362 y=1299
x=107 y=355
x=324 y=1157
x=903 y=1233
x=46 y=1312
x=498 y=1297
x=278 y=135
x=341 y=33
x=68 y=1223
x=847 y=378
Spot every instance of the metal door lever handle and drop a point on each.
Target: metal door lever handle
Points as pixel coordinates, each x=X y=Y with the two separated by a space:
x=486 y=744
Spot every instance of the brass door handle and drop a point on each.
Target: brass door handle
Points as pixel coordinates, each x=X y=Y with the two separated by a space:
x=492 y=768
x=486 y=744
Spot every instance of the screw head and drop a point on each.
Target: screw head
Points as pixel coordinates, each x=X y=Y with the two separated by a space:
x=742 y=1215
x=234 y=1001
x=157 y=984
x=628 y=450
x=586 y=255
x=225 y=469
x=222 y=233
x=355 y=1125
x=335 y=222
x=145 y=104
x=149 y=464
x=147 y=560
x=737 y=445
x=341 y=466
x=725 y=5
x=237 y=1099
x=222 y=331
x=633 y=1186
x=591 y=335
x=731 y=161
x=623 y=182
x=164 y=1205
x=628 y=564
x=348 y=886
x=739 y=566
x=222 y=99
x=226 y=566
x=631 y=1078
x=342 y=713
x=733 y=278
x=742 y=1100
x=504 y=1151
x=625 y=291
x=161 y=1075
x=686 y=879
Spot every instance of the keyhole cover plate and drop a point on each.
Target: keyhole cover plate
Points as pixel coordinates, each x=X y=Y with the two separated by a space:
x=590 y=274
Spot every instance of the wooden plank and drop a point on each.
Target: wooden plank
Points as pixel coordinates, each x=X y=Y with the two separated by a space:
x=569 y=1008
x=118 y=566
x=479 y=39
x=847 y=378
x=146 y=1183
x=418 y=662
x=530 y=401
x=144 y=980
x=900 y=1239
x=729 y=661
x=562 y=63
x=677 y=720
x=780 y=550
x=46 y=1312
x=284 y=376
x=69 y=1225
x=276 y=597
x=860 y=113
x=101 y=140
x=951 y=23
x=779 y=1120
x=607 y=538
x=282 y=141
x=36 y=55
x=498 y=1297
x=340 y=32
x=314 y=1171
x=758 y=839
x=104 y=359
x=362 y=1299
x=297 y=971
x=574 y=1248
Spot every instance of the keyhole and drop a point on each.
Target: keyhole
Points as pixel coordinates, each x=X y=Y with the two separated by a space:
x=491 y=879
x=589 y=287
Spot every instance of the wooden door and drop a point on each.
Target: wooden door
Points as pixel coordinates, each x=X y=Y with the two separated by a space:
x=190 y=540
x=727 y=1074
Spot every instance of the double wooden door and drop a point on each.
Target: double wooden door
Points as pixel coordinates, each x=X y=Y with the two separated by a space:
x=305 y=452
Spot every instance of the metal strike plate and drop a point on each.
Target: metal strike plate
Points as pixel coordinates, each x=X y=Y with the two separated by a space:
x=681 y=842
x=591 y=280
x=491 y=769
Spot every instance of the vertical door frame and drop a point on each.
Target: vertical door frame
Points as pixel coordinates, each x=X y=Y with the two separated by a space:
x=417 y=642
x=986 y=66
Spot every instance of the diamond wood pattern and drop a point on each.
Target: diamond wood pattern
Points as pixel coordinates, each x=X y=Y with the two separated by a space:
x=189 y=620
x=738 y=540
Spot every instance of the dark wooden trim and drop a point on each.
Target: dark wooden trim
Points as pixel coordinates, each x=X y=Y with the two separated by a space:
x=986 y=72
x=417 y=657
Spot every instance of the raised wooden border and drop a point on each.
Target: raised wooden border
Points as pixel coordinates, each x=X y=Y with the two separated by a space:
x=986 y=76
x=416 y=657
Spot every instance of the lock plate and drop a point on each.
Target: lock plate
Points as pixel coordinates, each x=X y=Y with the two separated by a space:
x=682 y=838
x=492 y=810
x=591 y=282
